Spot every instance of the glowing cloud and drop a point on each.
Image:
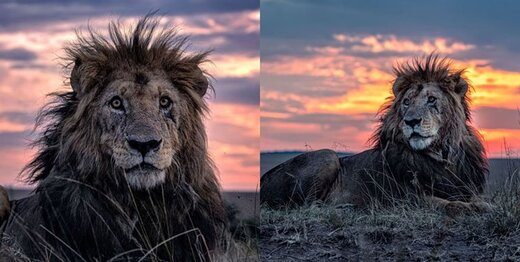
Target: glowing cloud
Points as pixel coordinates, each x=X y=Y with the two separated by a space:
x=344 y=81
x=385 y=43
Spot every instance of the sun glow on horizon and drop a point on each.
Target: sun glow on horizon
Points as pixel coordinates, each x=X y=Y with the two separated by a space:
x=346 y=84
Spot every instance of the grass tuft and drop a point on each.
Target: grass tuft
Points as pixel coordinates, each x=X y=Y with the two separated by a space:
x=402 y=231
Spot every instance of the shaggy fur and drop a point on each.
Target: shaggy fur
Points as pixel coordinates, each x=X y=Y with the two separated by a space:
x=455 y=166
x=84 y=206
x=451 y=170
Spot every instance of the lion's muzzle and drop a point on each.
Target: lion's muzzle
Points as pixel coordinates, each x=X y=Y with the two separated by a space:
x=145 y=146
x=412 y=122
x=145 y=161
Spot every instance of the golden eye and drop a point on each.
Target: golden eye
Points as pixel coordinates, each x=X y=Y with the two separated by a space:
x=116 y=103
x=165 y=102
x=431 y=99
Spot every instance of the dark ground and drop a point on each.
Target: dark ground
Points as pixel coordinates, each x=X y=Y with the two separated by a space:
x=402 y=232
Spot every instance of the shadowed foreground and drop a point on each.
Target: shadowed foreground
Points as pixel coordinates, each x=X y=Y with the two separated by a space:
x=404 y=232
x=400 y=233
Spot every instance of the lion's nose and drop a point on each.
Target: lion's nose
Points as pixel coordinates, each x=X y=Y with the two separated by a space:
x=144 y=147
x=413 y=122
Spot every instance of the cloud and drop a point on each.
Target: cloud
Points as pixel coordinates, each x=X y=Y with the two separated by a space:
x=298 y=91
x=237 y=90
x=327 y=122
x=497 y=118
x=19 y=117
x=237 y=66
x=17 y=54
x=17 y=15
x=16 y=121
x=245 y=43
x=391 y=43
x=287 y=29
x=15 y=139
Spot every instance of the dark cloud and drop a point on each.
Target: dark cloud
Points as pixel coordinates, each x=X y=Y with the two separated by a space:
x=497 y=118
x=475 y=21
x=329 y=122
x=15 y=139
x=17 y=14
x=311 y=86
x=237 y=90
x=233 y=43
x=491 y=26
x=18 y=117
x=30 y=65
x=17 y=54
x=282 y=106
x=248 y=41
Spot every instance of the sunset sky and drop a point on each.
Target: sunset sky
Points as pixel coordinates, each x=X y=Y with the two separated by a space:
x=327 y=66
x=33 y=34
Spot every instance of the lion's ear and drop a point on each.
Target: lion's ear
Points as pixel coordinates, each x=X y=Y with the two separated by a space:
x=460 y=84
x=201 y=82
x=397 y=85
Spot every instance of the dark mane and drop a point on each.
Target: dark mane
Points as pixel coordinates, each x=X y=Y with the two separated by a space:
x=76 y=179
x=460 y=145
x=97 y=56
x=448 y=171
x=431 y=68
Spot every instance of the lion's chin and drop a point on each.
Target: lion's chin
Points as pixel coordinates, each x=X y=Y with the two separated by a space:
x=420 y=143
x=145 y=178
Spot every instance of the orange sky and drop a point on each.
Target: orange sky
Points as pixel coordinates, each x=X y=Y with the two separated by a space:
x=23 y=89
x=294 y=93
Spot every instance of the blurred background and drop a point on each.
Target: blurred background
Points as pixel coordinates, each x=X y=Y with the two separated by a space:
x=327 y=67
x=33 y=33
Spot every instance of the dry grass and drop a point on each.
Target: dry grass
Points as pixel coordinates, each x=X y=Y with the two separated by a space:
x=241 y=244
x=399 y=232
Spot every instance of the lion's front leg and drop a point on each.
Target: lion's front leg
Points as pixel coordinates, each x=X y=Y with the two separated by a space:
x=454 y=208
x=5 y=206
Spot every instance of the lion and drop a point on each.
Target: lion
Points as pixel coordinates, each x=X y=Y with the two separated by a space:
x=424 y=148
x=122 y=170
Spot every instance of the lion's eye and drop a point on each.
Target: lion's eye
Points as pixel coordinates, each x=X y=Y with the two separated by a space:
x=431 y=99
x=116 y=103
x=165 y=102
x=406 y=102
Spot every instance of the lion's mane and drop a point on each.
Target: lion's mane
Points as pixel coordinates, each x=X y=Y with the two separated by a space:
x=82 y=198
x=455 y=167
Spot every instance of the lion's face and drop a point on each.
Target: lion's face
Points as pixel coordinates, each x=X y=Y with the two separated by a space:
x=421 y=110
x=139 y=114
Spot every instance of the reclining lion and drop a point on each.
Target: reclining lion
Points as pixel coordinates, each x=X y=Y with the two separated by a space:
x=424 y=147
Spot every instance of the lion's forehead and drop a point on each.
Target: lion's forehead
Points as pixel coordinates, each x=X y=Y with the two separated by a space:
x=132 y=90
x=422 y=90
x=418 y=95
